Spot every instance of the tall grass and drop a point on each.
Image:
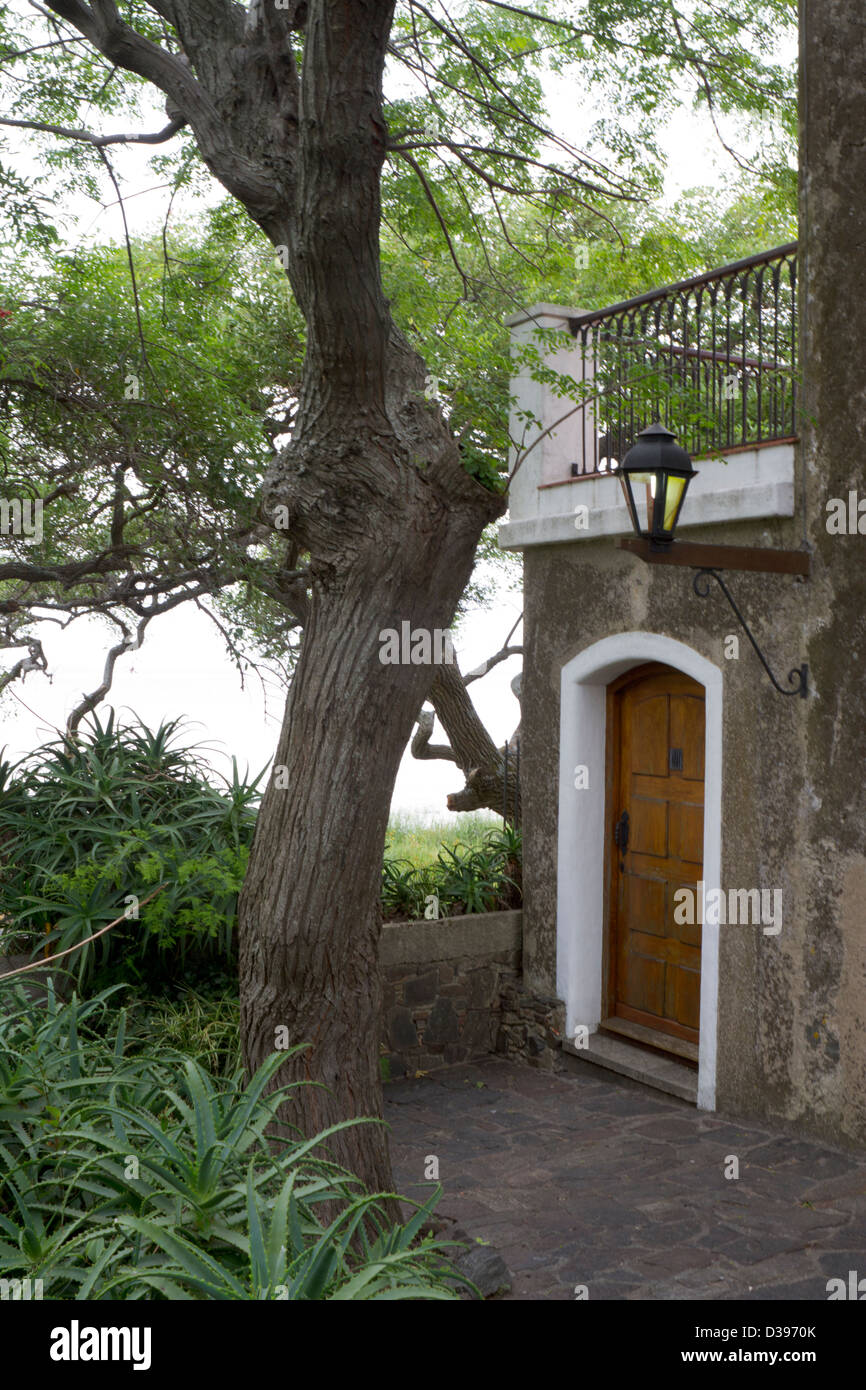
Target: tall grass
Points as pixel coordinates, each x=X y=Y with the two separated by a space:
x=417 y=841
x=485 y=877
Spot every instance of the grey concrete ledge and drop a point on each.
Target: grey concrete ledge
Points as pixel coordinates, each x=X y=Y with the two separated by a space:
x=476 y=934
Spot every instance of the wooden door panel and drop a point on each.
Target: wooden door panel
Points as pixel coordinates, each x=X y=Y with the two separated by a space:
x=657 y=728
x=648 y=828
x=687 y=733
x=644 y=984
x=686 y=832
x=650 y=732
x=666 y=949
x=685 y=1003
x=688 y=932
x=644 y=903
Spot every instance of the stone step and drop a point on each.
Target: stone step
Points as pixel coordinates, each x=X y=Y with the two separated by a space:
x=650 y=1068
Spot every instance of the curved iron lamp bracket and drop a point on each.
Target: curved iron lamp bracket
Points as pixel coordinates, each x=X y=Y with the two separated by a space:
x=798 y=678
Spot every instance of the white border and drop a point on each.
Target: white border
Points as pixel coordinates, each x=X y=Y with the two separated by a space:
x=582 y=819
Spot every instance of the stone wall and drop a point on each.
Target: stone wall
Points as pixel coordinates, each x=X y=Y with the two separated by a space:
x=531 y=1026
x=453 y=991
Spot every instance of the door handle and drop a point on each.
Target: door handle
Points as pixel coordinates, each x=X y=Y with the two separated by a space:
x=620 y=833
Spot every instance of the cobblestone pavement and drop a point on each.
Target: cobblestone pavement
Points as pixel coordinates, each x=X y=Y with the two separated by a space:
x=585 y=1178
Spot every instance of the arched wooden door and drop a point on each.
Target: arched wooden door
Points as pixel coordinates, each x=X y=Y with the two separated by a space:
x=655 y=835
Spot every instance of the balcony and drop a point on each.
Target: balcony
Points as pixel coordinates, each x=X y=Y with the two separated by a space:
x=714 y=358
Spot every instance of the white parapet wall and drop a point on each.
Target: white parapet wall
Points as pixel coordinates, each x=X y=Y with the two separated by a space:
x=544 y=451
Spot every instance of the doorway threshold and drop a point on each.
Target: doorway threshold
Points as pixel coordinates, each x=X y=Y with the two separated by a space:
x=655 y=1069
x=651 y=1037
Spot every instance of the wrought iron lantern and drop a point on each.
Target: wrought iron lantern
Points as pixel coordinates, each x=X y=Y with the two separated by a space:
x=655 y=476
x=664 y=470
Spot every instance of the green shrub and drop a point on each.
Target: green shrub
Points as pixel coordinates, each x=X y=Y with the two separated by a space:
x=484 y=877
x=131 y=1175
x=89 y=826
x=205 y=1028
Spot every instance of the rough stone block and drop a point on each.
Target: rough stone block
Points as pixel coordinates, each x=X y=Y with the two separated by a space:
x=456 y=990
x=442 y=1026
x=421 y=989
x=546 y=1061
x=479 y=1031
x=402 y=1032
x=486 y=1268
x=481 y=988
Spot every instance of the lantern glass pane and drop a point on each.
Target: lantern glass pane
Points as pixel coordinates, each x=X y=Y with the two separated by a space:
x=649 y=482
x=629 y=500
x=673 y=499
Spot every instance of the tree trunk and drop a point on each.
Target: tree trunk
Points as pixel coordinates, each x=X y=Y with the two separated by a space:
x=310 y=909
x=376 y=493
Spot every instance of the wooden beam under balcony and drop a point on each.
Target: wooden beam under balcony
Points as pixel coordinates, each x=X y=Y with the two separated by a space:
x=720 y=557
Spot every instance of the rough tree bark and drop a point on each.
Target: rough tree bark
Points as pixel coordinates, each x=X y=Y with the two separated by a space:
x=375 y=493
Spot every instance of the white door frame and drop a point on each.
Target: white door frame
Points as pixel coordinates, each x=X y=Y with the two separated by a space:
x=582 y=820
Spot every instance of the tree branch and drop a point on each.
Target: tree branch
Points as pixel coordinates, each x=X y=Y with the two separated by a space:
x=470 y=746
x=98 y=141
x=492 y=661
x=34 y=661
x=439 y=217
x=421 y=745
x=213 y=29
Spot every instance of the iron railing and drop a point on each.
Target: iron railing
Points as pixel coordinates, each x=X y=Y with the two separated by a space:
x=714 y=358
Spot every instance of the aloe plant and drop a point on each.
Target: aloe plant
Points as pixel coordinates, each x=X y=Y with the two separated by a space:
x=131 y=1174
x=90 y=824
x=465 y=878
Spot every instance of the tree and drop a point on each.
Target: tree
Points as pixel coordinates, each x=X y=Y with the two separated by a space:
x=286 y=108
x=143 y=427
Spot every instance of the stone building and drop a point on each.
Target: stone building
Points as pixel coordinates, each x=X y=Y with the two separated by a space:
x=691 y=890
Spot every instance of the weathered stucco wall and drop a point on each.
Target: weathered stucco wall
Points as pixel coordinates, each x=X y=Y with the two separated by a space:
x=827 y=976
